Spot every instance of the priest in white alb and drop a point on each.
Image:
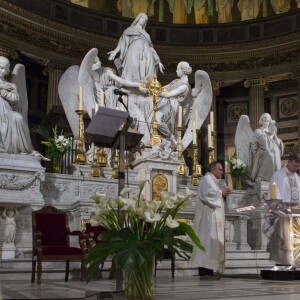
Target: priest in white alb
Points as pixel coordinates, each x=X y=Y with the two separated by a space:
x=209 y=223
x=285 y=185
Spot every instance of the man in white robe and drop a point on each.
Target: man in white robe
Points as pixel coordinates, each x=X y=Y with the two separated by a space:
x=276 y=227
x=209 y=223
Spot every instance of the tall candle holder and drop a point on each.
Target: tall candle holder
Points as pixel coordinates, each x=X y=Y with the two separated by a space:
x=80 y=158
x=194 y=179
x=211 y=148
x=182 y=166
x=95 y=168
x=115 y=170
x=102 y=157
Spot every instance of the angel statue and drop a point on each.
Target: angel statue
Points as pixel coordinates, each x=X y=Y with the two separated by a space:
x=14 y=134
x=94 y=79
x=262 y=143
x=193 y=101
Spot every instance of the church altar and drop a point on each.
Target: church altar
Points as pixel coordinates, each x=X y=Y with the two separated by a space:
x=28 y=187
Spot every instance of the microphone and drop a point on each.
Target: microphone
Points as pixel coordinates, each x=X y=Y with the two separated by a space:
x=120 y=93
x=120 y=99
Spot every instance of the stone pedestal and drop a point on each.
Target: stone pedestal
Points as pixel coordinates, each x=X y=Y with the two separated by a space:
x=8 y=251
x=155 y=162
x=20 y=177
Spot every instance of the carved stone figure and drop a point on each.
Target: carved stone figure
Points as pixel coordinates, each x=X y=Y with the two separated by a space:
x=14 y=133
x=94 y=79
x=137 y=61
x=9 y=215
x=263 y=143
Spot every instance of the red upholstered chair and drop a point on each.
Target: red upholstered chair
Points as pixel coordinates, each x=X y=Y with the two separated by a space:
x=51 y=233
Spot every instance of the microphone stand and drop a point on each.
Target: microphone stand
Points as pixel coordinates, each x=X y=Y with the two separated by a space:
x=120 y=99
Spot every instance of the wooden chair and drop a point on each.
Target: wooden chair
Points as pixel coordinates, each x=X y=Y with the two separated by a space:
x=93 y=233
x=167 y=254
x=50 y=233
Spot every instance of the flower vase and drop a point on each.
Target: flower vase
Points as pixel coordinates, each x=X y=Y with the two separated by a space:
x=238 y=184
x=139 y=283
x=57 y=164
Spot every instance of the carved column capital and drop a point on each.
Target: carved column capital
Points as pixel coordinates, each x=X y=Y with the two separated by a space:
x=216 y=87
x=8 y=53
x=51 y=67
x=256 y=82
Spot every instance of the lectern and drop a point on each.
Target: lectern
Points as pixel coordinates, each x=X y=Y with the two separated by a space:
x=110 y=128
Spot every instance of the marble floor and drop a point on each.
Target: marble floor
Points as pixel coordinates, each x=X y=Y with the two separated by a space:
x=179 y=288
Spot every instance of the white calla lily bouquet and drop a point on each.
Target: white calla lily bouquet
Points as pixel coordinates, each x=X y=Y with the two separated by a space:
x=140 y=231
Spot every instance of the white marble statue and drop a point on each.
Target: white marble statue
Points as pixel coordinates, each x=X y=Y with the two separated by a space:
x=94 y=80
x=14 y=133
x=263 y=143
x=134 y=56
x=9 y=215
x=196 y=101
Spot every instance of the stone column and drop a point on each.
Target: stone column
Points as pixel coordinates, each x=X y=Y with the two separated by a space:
x=242 y=233
x=256 y=98
x=216 y=92
x=54 y=72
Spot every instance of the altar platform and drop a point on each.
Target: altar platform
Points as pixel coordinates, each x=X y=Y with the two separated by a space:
x=180 y=288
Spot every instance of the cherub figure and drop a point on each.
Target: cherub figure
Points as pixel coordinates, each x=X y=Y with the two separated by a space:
x=9 y=215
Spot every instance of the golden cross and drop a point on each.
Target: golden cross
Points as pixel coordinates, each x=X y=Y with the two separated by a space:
x=154 y=88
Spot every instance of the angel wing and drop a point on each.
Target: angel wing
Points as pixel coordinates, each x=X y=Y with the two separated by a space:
x=68 y=91
x=242 y=140
x=86 y=81
x=18 y=77
x=202 y=94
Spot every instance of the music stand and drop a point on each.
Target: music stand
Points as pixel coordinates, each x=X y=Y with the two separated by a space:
x=110 y=129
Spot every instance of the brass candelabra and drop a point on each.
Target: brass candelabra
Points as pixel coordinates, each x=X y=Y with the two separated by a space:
x=115 y=170
x=211 y=148
x=197 y=168
x=182 y=166
x=95 y=168
x=80 y=153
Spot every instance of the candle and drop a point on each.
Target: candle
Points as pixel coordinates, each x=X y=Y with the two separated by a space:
x=212 y=120
x=209 y=136
x=180 y=116
x=273 y=191
x=102 y=98
x=194 y=133
x=80 y=98
x=196 y=118
x=96 y=108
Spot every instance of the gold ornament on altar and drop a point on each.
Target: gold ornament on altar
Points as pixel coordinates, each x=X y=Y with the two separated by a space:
x=80 y=153
x=154 y=88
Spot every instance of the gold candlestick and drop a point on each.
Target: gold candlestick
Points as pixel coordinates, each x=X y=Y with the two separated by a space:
x=194 y=179
x=181 y=167
x=115 y=170
x=211 y=149
x=102 y=157
x=95 y=168
x=154 y=88
x=80 y=153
